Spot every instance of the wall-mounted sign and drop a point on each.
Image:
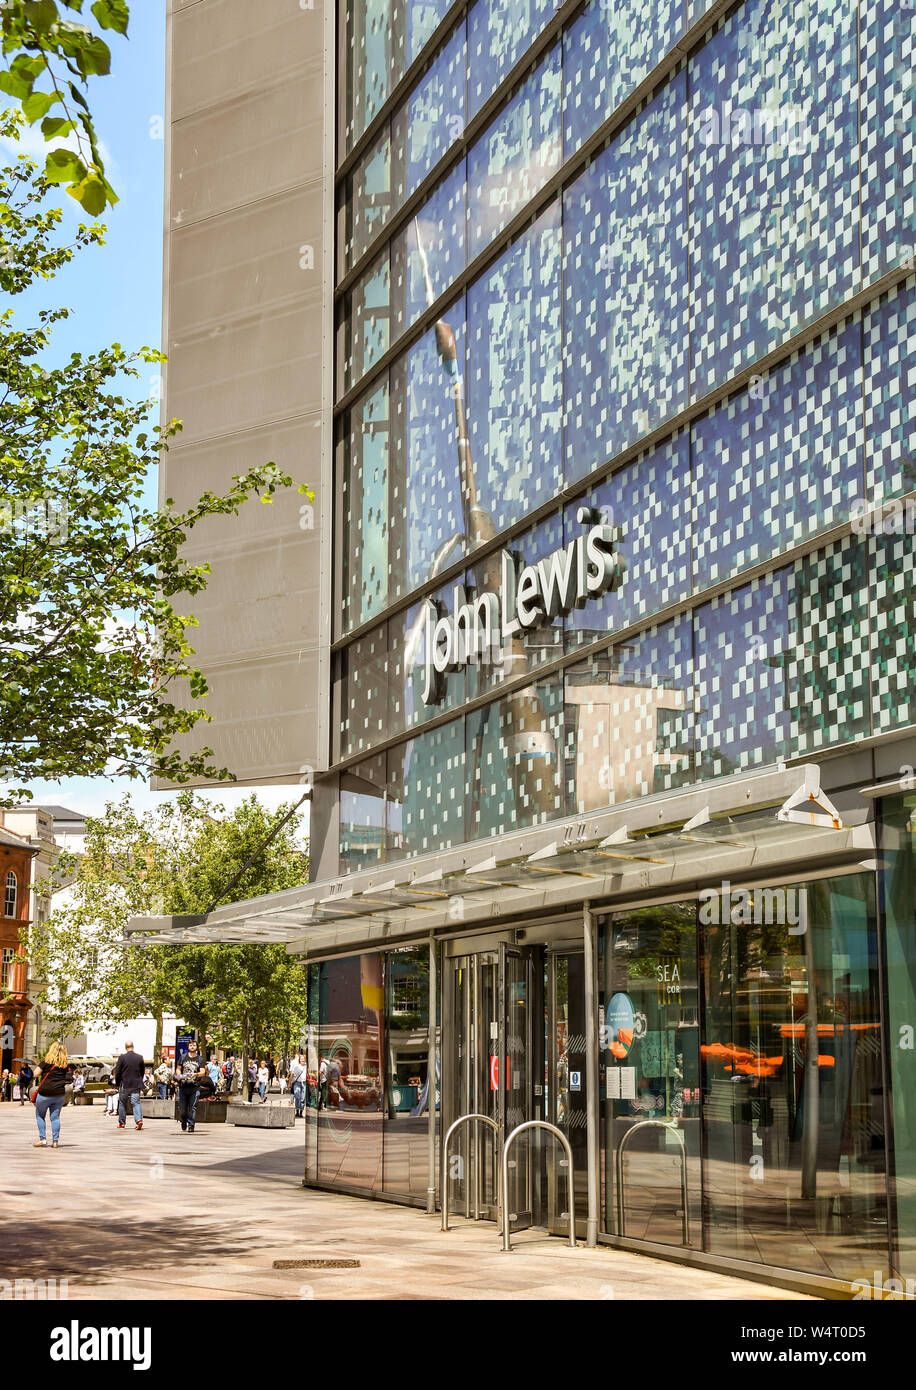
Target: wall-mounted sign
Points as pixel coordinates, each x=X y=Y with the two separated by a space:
x=480 y=626
x=575 y=1081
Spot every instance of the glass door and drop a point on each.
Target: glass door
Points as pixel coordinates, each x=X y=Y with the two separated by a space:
x=566 y=1097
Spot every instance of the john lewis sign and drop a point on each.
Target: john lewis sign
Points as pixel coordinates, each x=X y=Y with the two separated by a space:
x=478 y=628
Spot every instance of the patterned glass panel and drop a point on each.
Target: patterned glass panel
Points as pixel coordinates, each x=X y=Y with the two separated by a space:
x=364 y=590
x=368 y=59
x=514 y=380
x=774 y=179
x=362 y=815
x=366 y=328
x=364 y=692
x=516 y=155
x=408 y=634
x=514 y=748
x=429 y=529
x=431 y=119
x=607 y=51
x=500 y=32
x=413 y=23
x=369 y=201
x=648 y=502
x=629 y=719
x=625 y=275
x=888 y=135
x=428 y=253
x=890 y=393
x=893 y=596
x=780 y=460
x=427 y=784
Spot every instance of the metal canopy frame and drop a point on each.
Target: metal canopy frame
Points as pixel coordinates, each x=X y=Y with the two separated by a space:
x=744 y=824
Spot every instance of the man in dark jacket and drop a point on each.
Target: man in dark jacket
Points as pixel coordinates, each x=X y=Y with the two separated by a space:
x=25 y=1080
x=128 y=1078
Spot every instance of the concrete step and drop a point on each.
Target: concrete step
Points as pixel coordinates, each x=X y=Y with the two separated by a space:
x=261 y=1116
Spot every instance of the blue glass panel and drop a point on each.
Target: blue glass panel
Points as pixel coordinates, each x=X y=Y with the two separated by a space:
x=407 y=661
x=431 y=119
x=890 y=393
x=625 y=270
x=888 y=135
x=893 y=656
x=499 y=33
x=774 y=180
x=607 y=51
x=427 y=785
x=629 y=719
x=428 y=521
x=649 y=503
x=414 y=22
x=514 y=379
x=367 y=327
x=514 y=749
x=781 y=460
x=516 y=155
x=362 y=815
x=368 y=64
x=369 y=202
x=364 y=481
x=429 y=251
x=364 y=692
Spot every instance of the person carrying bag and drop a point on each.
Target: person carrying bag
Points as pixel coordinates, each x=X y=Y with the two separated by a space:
x=51 y=1093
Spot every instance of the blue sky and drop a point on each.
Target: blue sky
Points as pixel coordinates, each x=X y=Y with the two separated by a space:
x=114 y=291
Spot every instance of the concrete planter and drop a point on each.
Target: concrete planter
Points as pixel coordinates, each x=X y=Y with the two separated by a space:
x=82 y=1099
x=154 y=1109
x=261 y=1116
x=211 y=1112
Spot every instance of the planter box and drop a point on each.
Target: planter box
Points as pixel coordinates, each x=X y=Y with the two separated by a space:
x=154 y=1109
x=82 y=1099
x=261 y=1116
x=211 y=1112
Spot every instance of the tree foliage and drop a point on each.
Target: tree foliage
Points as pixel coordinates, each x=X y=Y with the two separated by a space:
x=179 y=858
x=50 y=57
x=96 y=670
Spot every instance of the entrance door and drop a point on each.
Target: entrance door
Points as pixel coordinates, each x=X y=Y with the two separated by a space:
x=491 y=1046
x=566 y=1098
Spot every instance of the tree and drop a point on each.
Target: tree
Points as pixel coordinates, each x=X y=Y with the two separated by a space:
x=179 y=858
x=95 y=664
x=51 y=58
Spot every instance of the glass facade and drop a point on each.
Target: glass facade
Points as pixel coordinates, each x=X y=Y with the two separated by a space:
x=691 y=321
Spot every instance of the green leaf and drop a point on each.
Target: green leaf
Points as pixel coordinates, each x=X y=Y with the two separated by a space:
x=91 y=193
x=56 y=127
x=40 y=15
x=112 y=14
x=14 y=85
x=92 y=56
x=63 y=166
x=38 y=105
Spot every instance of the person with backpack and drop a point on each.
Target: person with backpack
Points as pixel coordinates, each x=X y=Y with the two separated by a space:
x=50 y=1093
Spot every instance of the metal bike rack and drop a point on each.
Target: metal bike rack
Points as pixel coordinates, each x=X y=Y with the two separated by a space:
x=621 y=1209
x=519 y=1129
x=443 y=1186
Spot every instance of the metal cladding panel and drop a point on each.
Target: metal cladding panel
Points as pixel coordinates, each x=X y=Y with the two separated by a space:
x=248 y=333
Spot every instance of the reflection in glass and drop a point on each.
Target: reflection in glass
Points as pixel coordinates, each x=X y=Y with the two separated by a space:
x=406 y=1070
x=426 y=791
x=513 y=760
x=499 y=33
x=629 y=720
x=608 y=50
x=365 y=330
x=516 y=155
x=625 y=278
x=345 y=1075
x=898 y=856
x=792 y=1108
x=649 y=1040
x=774 y=206
x=364 y=484
x=888 y=107
x=363 y=815
x=428 y=253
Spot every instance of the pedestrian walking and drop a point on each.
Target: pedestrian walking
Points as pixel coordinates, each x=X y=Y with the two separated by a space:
x=271 y=1072
x=252 y=1078
x=51 y=1093
x=263 y=1081
x=5 y=1080
x=213 y=1070
x=229 y=1071
x=297 y=1075
x=24 y=1080
x=189 y=1074
x=128 y=1078
x=162 y=1076
x=322 y=1083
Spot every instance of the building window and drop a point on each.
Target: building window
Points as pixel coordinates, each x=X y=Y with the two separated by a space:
x=9 y=900
x=6 y=965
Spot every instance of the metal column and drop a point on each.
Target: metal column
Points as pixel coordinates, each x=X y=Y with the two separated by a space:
x=591 y=1076
x=431 y=1088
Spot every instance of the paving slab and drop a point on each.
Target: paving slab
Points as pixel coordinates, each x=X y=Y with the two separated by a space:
x=159 y=1214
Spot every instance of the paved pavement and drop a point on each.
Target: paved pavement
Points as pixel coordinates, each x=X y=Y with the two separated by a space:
x=161 y=1215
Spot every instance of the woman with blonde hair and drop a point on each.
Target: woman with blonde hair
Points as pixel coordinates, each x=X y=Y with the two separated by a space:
x=51 y=1093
